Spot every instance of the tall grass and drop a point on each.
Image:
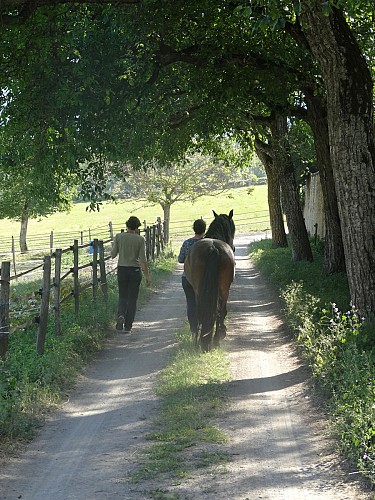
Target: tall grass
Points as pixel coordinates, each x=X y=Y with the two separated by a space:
x=336 y=342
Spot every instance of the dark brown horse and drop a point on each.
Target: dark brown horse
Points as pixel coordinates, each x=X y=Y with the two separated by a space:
x=209 y=268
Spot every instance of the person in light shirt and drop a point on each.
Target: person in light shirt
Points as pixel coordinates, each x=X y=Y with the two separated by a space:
x=131 y=250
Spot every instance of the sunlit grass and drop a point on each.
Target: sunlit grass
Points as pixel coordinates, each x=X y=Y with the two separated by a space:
x=182 y=213
x=192 y=389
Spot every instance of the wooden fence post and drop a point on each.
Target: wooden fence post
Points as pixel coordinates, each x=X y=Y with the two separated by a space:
x=4 y=308
x=75 y=278
x=14 y=256
x=44 y=306
x=56 y=297
x=103 y=277
x=95 y=269
x=51 y=242
x=160 y=236
x=153 y=242
x=110 y=230
x=148 y=242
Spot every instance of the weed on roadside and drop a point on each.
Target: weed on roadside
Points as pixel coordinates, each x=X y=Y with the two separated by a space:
x=31 y=385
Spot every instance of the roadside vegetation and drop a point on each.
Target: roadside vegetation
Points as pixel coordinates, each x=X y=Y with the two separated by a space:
x=334 y=340
x=31 y=384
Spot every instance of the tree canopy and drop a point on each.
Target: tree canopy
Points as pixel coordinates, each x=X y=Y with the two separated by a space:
x=136 y=81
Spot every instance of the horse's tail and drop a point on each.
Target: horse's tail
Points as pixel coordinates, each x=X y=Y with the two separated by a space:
x=209 y=293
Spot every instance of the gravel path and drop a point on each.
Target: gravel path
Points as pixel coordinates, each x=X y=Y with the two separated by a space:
x=277 y=439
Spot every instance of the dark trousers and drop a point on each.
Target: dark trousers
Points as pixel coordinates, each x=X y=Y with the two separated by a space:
x=191 y=305
x=129 y=280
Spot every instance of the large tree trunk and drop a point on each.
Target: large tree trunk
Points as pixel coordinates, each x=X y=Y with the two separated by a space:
x=23 y=232
x=351 y=133
x=334 y=258
x=279 y=239
x=301 y=249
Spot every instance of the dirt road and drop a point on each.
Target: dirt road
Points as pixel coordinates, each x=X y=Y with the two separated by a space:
x=277 y=440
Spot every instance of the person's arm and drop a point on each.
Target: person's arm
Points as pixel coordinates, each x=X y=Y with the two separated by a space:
x=114 y=250
x=145 y=270
x=182 y=255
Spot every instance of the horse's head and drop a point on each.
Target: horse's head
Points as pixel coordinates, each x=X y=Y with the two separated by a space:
x=222 y=228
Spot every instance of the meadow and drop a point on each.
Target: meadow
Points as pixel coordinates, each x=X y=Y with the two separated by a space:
x=246 y=206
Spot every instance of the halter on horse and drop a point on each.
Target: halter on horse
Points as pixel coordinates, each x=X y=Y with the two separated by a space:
x=209 y=268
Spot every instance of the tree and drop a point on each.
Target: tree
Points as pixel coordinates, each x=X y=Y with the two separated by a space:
x=266 y=156
x=316 y=116
x=198 y=175
x=24 y=193
x=190 y=69
x=22 y=198
x=349 y=88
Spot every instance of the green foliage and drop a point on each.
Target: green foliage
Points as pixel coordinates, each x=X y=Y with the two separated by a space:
x=281 y=270
x=138 y=84
x=336 y=342
x=31 y=383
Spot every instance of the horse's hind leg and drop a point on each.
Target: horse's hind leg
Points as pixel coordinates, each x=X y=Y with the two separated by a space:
x=206 y=341
x=196 y=336
x=221 y=329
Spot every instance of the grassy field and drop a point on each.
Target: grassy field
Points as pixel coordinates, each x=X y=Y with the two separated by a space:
x=182 y=214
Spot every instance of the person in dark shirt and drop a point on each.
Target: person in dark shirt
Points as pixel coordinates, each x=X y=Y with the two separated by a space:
x=199 y=228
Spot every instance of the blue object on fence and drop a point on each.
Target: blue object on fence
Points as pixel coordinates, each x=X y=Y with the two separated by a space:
x=91 y=247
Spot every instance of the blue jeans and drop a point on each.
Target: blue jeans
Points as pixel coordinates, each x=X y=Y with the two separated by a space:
x=129 y=280
x=191 y=305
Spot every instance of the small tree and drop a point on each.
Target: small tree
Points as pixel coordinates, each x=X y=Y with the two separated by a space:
x=198 y=175
x=22 y=197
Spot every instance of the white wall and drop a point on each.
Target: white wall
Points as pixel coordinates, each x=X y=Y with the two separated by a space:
x=313 y=210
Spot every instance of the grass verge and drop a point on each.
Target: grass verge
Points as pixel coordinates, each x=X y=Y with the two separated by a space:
x=335 y=341
x=192 y=389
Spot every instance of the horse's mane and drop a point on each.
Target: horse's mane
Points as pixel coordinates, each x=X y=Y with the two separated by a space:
x=221 y=228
